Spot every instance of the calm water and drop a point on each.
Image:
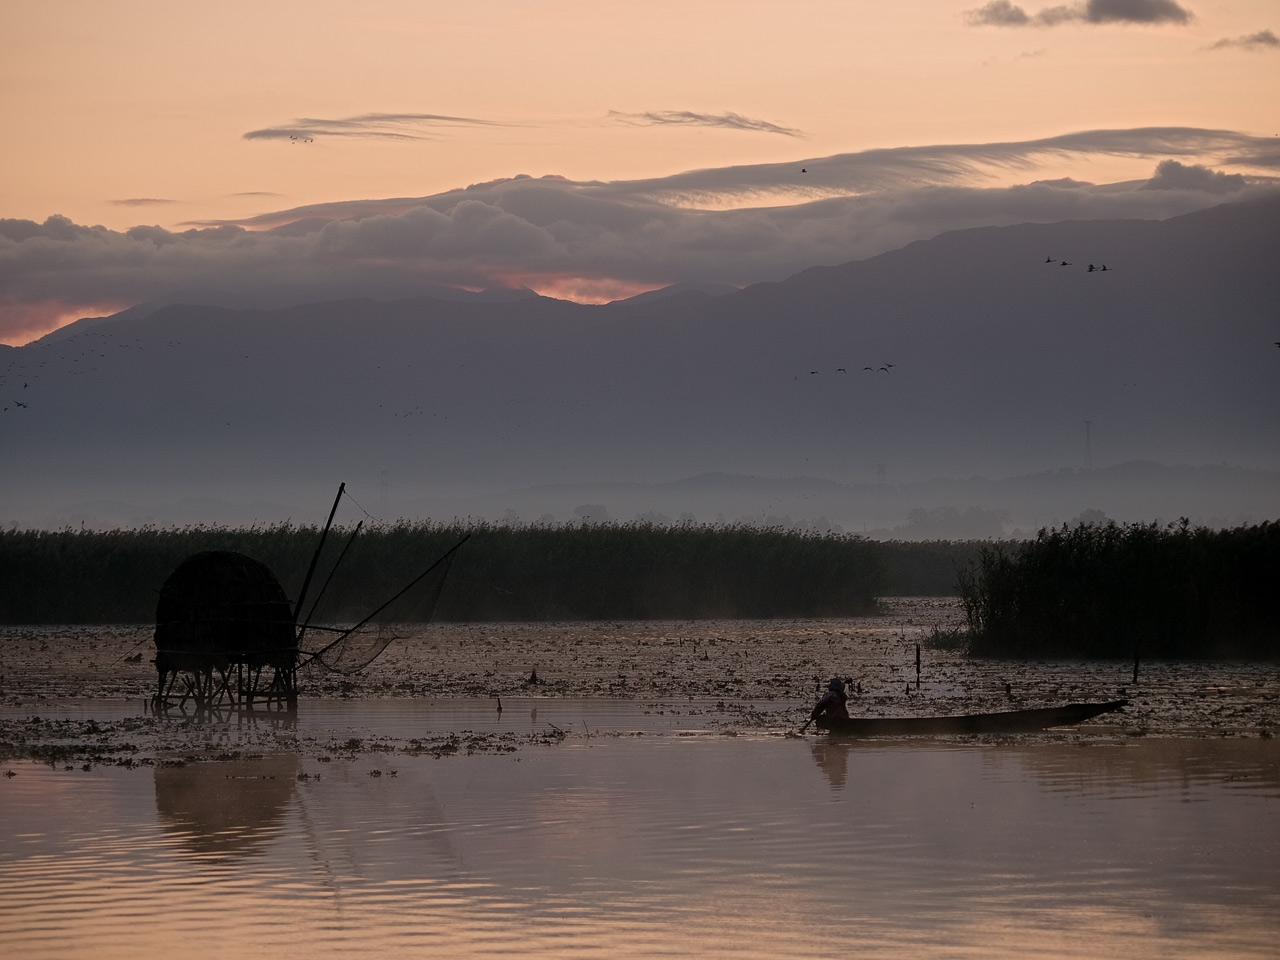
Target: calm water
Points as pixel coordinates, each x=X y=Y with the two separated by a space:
x=656 y=836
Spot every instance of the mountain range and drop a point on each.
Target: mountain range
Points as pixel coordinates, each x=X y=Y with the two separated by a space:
x=1123 y=366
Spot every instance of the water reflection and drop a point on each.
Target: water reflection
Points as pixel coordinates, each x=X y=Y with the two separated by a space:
x=832 y=758
x=1059 y=766
x=228 y=808
x=643 y=846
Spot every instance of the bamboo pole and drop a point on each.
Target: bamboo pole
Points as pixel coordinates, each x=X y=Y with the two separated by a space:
x=315 y=559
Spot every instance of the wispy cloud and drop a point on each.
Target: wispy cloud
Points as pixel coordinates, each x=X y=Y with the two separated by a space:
x=1004 y=13
x=140 y=202
x=689 y=118
x=1262 y=40
x=375 y=126
x=898 y=168
x=736 y=225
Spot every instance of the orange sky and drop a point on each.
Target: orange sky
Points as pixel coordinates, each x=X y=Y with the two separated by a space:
x=138 y=111
x=107 y=105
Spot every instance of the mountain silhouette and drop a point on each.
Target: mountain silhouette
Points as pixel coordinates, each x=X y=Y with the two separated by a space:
x=997 y=364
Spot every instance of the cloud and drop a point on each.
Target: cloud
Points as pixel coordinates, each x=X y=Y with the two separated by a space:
x=728 y=121
x=1172 y=175
x=900 y=167
x=596 y=240
x=140 y=202
x=1136 y=11
x=997 y=13
x=1262 y=40
x=1003 y=13
x=430 y=126
x=376 y=126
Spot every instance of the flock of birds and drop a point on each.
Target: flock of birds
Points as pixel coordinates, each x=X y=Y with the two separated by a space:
x=93 y=345
x=883 y=368
x=19 y=403
x=1068 y=263
x=886 y=367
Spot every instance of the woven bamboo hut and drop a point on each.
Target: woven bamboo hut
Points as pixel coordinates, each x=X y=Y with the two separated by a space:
x=225 y=629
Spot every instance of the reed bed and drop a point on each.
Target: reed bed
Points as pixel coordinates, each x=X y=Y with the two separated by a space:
x=517 y=572
x=1137 y=590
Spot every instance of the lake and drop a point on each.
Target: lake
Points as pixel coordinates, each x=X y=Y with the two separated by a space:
x=640 y=829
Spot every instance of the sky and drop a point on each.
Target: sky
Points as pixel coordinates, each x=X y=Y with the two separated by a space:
x=284 y=152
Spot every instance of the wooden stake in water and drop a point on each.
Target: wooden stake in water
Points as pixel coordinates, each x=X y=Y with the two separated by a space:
x=917 y=666
x=1136 y=657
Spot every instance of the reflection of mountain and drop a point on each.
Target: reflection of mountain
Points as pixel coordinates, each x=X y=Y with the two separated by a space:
x=229 y=807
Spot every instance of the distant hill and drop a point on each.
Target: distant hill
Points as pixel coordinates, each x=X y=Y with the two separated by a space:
x=991 y=353
x=682 y=289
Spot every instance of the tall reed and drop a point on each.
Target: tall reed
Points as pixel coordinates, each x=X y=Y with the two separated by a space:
x=1105 y=590
x=535 y=572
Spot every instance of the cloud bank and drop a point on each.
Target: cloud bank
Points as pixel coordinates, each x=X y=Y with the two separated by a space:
x=1003 y=13
x=603 y=240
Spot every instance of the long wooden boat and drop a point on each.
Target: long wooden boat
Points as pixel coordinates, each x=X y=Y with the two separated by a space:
x=1007 y=721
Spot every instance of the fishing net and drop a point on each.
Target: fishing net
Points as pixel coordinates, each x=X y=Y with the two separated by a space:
x=332 y=635
x=349 y=649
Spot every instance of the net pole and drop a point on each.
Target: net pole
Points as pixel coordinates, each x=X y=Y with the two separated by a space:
x=315 y=559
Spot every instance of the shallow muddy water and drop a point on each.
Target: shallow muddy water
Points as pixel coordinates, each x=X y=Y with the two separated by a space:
x=655 y=835
x=648 y=797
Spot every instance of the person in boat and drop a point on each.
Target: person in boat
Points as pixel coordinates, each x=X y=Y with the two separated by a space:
x=834 y=701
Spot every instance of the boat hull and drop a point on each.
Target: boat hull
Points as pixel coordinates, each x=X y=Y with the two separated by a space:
x=1008 y=721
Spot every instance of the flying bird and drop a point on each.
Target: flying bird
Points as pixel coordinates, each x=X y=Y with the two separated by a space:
x=841 y=370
